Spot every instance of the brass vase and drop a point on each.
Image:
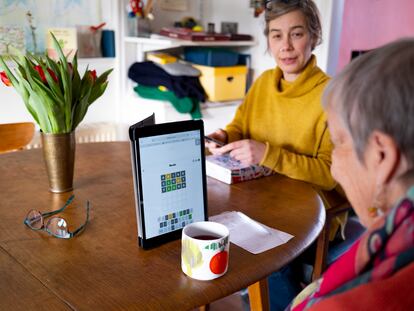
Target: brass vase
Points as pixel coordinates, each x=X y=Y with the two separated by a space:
x=59 y=156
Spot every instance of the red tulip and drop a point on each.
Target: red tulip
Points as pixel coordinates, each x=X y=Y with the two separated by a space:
x=70 y=69
x=53 y=75
x=42 y=74
x=5 y=79
x=93 y=75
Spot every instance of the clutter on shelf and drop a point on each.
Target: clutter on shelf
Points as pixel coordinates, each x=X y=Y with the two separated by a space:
x=189 y=34
x=186 y=80
x=184 y=92
x=139 y=16
x=189 y=23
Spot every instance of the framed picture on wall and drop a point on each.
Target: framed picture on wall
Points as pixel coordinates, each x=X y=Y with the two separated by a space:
x=11 y=36
x=36 y=16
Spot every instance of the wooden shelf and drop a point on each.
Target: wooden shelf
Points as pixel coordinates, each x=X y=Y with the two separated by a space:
x=95 y=60
x=166 y=42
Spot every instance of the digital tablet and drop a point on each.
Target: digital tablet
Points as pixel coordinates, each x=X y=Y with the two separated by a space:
x=168 y=164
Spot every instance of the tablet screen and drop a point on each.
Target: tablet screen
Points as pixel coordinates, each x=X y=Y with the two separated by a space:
x=172 y=181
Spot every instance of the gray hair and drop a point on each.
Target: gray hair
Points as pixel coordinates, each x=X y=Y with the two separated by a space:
x=277 y=8
x=376 y=92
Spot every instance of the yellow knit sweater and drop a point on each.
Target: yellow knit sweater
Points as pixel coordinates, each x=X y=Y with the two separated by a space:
x=289 y=119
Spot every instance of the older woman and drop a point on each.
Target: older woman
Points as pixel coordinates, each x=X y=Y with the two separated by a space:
x=370 y=111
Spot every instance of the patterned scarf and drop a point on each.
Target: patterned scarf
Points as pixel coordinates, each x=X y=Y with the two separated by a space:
x=384 y=249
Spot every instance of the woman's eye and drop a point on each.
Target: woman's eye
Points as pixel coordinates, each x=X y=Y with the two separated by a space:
x=297 y=34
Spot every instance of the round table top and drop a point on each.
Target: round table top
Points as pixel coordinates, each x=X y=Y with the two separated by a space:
x=103 y=268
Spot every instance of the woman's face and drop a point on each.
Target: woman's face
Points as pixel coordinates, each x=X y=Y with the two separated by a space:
x=290 y=43
x=356 y=178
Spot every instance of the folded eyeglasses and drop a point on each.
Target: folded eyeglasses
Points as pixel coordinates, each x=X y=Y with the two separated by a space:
x=55 y=226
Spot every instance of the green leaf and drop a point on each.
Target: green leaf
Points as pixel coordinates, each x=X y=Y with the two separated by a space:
x=10 y=75
x=79 y=111
x=66 y=80
x=52 y=110
x=36 y=102
x=76 y=82
x=75 y=60
x=97 y=91
x=103 y=77
x=53 y=85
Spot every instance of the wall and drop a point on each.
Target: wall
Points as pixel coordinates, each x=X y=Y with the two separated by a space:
x=369 y=24
x=12 y=108
x=108 y=107
x=218 y=11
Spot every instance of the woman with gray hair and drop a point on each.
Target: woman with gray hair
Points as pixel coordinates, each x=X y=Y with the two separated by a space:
x=370 y=107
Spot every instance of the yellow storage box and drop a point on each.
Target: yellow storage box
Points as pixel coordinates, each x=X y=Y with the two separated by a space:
x=223 y=83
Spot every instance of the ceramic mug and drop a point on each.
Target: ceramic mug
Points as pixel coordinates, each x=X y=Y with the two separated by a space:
x=205 y=250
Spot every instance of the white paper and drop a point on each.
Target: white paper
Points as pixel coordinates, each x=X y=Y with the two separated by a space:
x=250 y=234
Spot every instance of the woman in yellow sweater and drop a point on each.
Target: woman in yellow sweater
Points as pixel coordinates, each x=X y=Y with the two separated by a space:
x=281 y=124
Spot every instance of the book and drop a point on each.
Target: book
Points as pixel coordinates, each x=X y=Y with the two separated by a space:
x=231 y=171
x=188 y=34
x=67 y=40
x=240 y=37
x=161 y=58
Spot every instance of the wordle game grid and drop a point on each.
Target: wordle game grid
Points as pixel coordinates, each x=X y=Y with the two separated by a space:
x=173 y=181
x=174 y=221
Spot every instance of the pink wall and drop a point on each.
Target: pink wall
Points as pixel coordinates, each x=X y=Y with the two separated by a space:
x=370 y=23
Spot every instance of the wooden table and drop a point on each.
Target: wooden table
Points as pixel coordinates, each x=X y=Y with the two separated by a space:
x=103 y=268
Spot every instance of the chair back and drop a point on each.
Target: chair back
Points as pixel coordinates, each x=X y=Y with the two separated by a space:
x=335 y=204
x=15 y=136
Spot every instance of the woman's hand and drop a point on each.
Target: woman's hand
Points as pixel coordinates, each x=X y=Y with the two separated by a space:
x=219 y=135
x=247 y=151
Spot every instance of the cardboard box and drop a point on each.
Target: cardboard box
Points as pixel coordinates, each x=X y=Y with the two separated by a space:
x=223 y=83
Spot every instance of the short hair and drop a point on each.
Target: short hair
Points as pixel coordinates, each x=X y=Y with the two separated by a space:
x=277 y=8
x=376 y=92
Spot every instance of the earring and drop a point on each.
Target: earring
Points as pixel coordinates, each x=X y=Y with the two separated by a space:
x=378 y=202
x=373 y=211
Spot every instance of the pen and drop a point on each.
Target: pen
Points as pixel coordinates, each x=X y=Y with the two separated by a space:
x=212 y=140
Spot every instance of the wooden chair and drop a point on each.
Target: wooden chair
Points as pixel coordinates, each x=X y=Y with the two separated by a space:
x=15 y=136
x=335 y=204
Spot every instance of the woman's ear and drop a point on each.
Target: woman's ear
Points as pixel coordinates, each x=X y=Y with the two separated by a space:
x=387 y=157
x=313 y=42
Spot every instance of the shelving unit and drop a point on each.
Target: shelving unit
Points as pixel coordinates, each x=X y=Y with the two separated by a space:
x=215 y=115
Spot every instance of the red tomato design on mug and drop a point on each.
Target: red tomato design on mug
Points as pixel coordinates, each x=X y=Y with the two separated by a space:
x=219 y=262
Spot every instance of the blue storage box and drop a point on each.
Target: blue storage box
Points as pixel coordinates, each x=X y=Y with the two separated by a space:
x=211 y=56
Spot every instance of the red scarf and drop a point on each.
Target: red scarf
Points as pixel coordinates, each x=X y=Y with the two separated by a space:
x=387 y=247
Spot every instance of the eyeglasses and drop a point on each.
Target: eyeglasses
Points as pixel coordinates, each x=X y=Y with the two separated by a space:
x=55 y=226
